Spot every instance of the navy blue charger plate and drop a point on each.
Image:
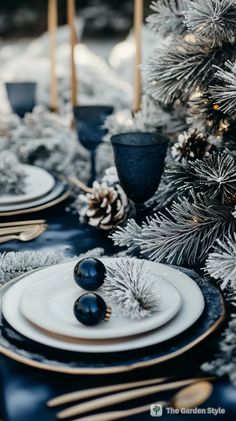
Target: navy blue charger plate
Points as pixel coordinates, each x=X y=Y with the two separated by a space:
x=26 y=351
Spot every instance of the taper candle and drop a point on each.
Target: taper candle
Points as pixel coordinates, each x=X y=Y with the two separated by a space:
x=52 y=31
x=138 y=21
x=73 y=39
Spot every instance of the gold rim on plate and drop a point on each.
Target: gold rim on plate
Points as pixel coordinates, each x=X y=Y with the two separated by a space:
x=47 y=205
x=117 y=369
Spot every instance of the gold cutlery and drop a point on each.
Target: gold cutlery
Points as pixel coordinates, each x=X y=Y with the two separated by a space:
x=188 y=397
x=19 y=228
x=96 y=391
x=16 y=223
x=25 y=235
x=109 y=400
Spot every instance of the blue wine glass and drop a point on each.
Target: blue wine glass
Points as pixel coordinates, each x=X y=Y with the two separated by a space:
x=139 y=159
x=22 y=96
x=89 y=121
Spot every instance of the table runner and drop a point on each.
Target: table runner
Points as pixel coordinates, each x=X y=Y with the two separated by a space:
x=25 y=390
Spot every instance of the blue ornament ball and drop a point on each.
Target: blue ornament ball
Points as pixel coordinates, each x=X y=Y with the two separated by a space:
x=90 y=309
x=89 y=273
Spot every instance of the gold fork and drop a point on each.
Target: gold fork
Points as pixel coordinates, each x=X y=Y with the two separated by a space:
x=25 y=235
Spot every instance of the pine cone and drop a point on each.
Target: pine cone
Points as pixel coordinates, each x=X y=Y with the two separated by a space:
x=191 y=145
x=106 y=207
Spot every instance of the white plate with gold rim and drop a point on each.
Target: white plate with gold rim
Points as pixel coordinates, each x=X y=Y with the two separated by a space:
x=38 y=183
x=191 y=309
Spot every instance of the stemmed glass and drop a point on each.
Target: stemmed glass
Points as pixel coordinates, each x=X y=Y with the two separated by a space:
x=22 y=96
x=89 y=121
x=139 y=159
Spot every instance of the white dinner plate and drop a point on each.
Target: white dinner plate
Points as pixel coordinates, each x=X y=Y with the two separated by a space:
x=191 y=309
x=38 y=182
x=58 y=189
x=49 y=301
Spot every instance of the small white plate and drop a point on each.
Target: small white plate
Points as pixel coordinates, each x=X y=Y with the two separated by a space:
x=191 y=309
x=38 y=183
x=58 y=190
x=48 y=303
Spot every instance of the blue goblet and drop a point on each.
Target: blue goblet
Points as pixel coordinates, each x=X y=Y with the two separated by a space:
x=22 y=96
x=89 y=121
x=139 y=159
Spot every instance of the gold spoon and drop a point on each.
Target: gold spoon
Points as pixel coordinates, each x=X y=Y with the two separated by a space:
x=188 y=397
x=25 y=235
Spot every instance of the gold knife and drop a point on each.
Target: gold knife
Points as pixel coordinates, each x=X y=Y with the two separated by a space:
x=16 y=223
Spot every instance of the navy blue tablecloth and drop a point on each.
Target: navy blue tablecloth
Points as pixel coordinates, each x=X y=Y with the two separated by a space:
x=25 y=390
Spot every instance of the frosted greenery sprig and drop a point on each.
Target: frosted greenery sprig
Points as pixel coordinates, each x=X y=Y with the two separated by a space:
x=184 y=234
x=221 y=262
x=12 y=174
x=212 y=20
x=183 y=68
x=128 y=236
x=214 y=174
x=167 y=18
x=225 y=93
x=187 y=232
x=14 y=264
x=128 y=285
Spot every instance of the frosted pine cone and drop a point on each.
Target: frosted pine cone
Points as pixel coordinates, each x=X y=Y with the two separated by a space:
x=106 y=207
x=191 y=145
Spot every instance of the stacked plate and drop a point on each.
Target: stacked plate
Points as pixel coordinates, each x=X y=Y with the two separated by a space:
x=40 y=327
x=41 y=191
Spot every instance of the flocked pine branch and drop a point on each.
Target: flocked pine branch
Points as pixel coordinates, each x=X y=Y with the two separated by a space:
x=225 y=93
x=212 y=20
x=14 y=264
x=128 y=236
x=215 y=175
x=167 y=18
x=221 y=263
x=181 y=69
x=126 y=286
x=186 y=232
x=12 y=174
